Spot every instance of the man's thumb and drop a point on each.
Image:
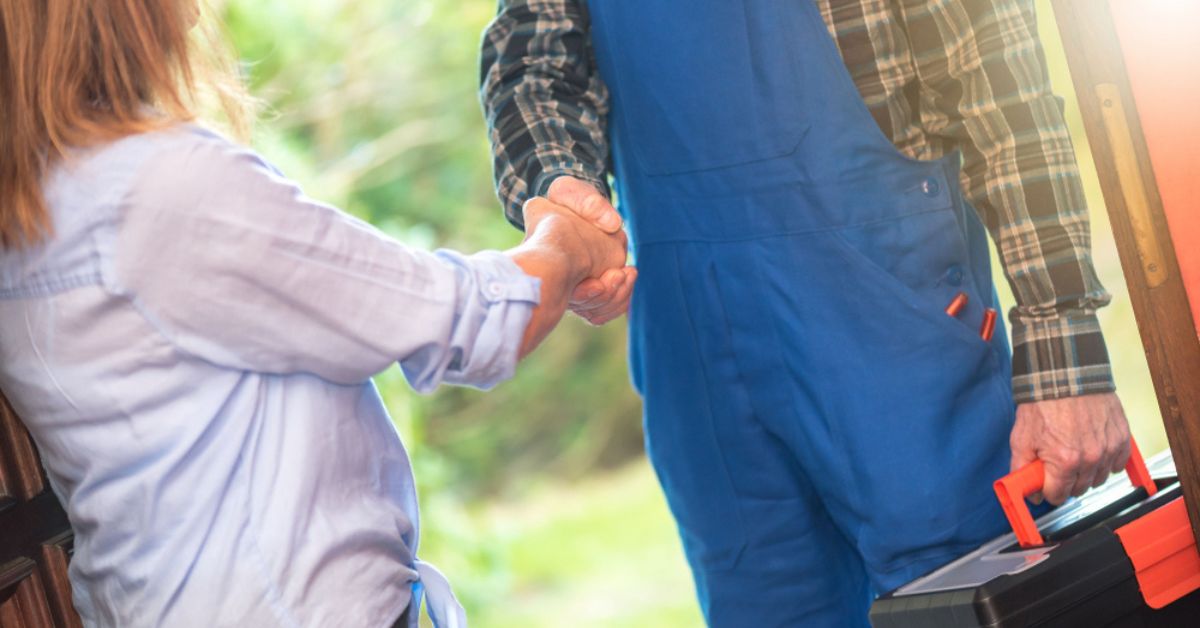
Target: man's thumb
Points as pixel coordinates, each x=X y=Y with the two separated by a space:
x=585 y=200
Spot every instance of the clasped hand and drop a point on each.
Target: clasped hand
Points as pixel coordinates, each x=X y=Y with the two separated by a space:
x=576 y=247
x=595 y=244
x=1081 y=440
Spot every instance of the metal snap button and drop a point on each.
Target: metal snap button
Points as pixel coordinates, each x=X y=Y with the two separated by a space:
x=954 y=275
x=931 y=187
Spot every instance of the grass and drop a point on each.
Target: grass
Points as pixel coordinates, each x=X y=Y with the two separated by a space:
x=602 y=552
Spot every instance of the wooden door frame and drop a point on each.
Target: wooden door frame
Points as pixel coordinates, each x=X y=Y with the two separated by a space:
x=35 y=536
x=1156 y=287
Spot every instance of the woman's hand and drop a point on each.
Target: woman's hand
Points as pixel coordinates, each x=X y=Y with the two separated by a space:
x=564 y=250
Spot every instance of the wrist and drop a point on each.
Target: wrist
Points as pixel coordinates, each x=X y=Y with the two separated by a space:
x=550 y=265
x=546 y=179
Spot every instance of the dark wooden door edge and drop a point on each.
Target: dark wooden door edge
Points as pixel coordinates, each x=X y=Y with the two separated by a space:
x=28 y=525
x=1156 y=288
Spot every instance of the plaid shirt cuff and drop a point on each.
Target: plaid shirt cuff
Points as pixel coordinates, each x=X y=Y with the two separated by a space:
x=541 y=173
x=1060 y=357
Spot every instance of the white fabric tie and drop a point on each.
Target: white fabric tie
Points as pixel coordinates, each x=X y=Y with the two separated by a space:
x=440 y=603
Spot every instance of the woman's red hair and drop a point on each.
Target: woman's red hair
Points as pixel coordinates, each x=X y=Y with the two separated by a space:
x=80 y=72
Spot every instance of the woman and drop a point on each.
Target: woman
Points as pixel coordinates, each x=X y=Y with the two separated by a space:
x=190 y=339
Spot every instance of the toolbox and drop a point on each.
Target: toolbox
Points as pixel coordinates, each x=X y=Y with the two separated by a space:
x=1122 y=555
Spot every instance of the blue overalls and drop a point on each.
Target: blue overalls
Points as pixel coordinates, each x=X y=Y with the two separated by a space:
x=823 y=430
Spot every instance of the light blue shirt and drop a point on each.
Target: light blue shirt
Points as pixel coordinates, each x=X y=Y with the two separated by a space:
x=192 y=353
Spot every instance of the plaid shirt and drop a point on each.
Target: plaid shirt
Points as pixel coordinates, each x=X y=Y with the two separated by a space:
x=937 y=75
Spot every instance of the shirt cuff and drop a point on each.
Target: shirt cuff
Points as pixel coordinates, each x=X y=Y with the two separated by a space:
x=495 y=303
x=541 y=183
x=1064 y=356
x=540 y=177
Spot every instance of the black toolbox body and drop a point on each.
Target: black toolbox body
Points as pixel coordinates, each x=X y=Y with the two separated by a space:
x=1081 y=577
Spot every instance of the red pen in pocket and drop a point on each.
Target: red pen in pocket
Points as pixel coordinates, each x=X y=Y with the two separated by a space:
x=989 y=325
x=956 y=306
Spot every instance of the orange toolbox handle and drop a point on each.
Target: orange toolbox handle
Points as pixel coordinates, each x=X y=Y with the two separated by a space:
x=1013 y=488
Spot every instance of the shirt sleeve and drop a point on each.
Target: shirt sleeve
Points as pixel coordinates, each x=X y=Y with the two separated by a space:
x=985 y=89
x=543 y=101
x=232 y=263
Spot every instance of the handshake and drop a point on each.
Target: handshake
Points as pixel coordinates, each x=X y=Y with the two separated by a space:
x=574 y=244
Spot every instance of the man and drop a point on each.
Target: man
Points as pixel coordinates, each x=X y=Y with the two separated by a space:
x=827 y=400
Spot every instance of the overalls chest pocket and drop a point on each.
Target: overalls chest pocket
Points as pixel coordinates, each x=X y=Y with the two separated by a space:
x=702 y=84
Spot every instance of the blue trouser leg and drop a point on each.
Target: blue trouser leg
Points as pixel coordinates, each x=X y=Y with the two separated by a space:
x=797 y=569
x=763 y=550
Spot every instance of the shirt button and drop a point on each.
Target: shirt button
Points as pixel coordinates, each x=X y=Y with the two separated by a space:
x=930 y=187
x=954 y=276
x=495 y=290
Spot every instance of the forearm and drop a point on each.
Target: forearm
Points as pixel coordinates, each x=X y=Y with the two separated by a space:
x=551 y=268
x=543 y=102
x=486 y=302
x=1043 y=236
x=994 y=102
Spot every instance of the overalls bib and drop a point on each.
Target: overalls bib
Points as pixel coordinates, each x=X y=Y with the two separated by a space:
x=822 y=428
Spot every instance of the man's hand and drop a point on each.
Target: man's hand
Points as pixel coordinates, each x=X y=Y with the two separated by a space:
x=1081 y=440
x=600 y=299
x=562 y=250
x=586 y=252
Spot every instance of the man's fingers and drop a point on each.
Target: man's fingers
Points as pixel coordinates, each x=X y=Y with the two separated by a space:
x=1116 y=453
x=1122 y=458
x=604 y=318
x=1057 y=486
x=597 y=292
x=612 y=300
x=1114 y=460
x=1018 y=460
x=1021 y=454
x=618 y=304
x=1057 y=493
x=1084 y=478
x=584 y=199
x=1122 y=447
x=586 y=291
x=597 y=209
x=1095 y=466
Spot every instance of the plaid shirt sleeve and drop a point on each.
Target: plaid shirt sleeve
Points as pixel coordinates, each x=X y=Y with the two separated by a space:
x=981 y=86
x=543 y=100
x=985 y=89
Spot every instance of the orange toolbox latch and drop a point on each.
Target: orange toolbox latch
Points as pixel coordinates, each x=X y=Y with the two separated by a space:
x=1162 y=549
